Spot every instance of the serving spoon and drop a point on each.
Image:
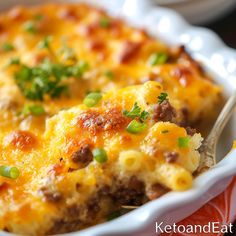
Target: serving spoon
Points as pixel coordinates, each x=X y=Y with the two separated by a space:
x=208 y=147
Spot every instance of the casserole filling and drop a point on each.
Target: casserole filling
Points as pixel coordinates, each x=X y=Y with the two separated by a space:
x=94 y=118
x=126 y=149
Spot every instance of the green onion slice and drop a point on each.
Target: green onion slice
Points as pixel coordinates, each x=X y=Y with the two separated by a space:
x=105 y=22
x=13 y=61
x=9 y=172
x=7 y=47
x=92 y=99
x=30 y=27
x=135 y=127
x=183 y=142
x=45 y=43
x=100 y=155
x=109 y=74
x=162 y=97
x=157 y=59
x=36 y=110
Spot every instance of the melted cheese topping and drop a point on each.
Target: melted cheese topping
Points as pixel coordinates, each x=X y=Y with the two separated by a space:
x=50 y=173
x=50 y=183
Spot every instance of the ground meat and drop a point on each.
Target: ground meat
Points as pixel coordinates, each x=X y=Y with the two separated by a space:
x=72 y=212
x=104 y=191
x=93 y=207
x=184 y=118
x=133 y=194
x=156 y=191
x=62 y=226
x=23 y=140
x=190 y=131
x=49 y=195
x=83 y=156
x=164 y=112
x=128 y=50
x=171 y=157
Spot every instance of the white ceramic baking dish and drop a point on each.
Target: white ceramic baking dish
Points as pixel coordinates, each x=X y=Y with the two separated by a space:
x=220 y=61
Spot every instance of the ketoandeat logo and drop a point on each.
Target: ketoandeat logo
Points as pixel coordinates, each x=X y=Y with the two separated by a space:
x=211 y=227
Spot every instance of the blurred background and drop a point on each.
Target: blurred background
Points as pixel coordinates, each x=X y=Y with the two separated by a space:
x=219 y=15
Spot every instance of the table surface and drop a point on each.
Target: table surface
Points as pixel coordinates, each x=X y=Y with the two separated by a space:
x=225 y=28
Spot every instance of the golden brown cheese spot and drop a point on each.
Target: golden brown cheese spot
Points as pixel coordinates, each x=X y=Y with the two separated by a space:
x=86 y=30
x=23 y=140
x=56 y=169
x=3 y=187
x=116 y=28
x=125 y=139
x=68 y=13
x=128 y=51
x=72 y=145
x=95 y=45
x=183 y=74
x=109 y=120
x=16 y=13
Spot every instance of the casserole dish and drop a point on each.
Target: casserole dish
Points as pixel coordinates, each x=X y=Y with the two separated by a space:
x=207 y=182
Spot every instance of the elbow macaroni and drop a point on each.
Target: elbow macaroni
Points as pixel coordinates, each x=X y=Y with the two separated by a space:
x=131 y=160
x=173 y=176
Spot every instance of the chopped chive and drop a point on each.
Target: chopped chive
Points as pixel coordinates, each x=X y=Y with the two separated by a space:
x=47 y=78
x=143 y=116
x=30 y=27
x=104 y=22
x=45 y=43
x=9 y=172
x=7 y=47
x=35 y=110
x=109 y=74
x=183 y=142
x=162 y=97
x=165 y=131
x=134 y=112
x=157 y=59
x=38 y=17
x=100 y=155
x=79 y=69
x=14 y=61
x=92 y=99
x=135 y=127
